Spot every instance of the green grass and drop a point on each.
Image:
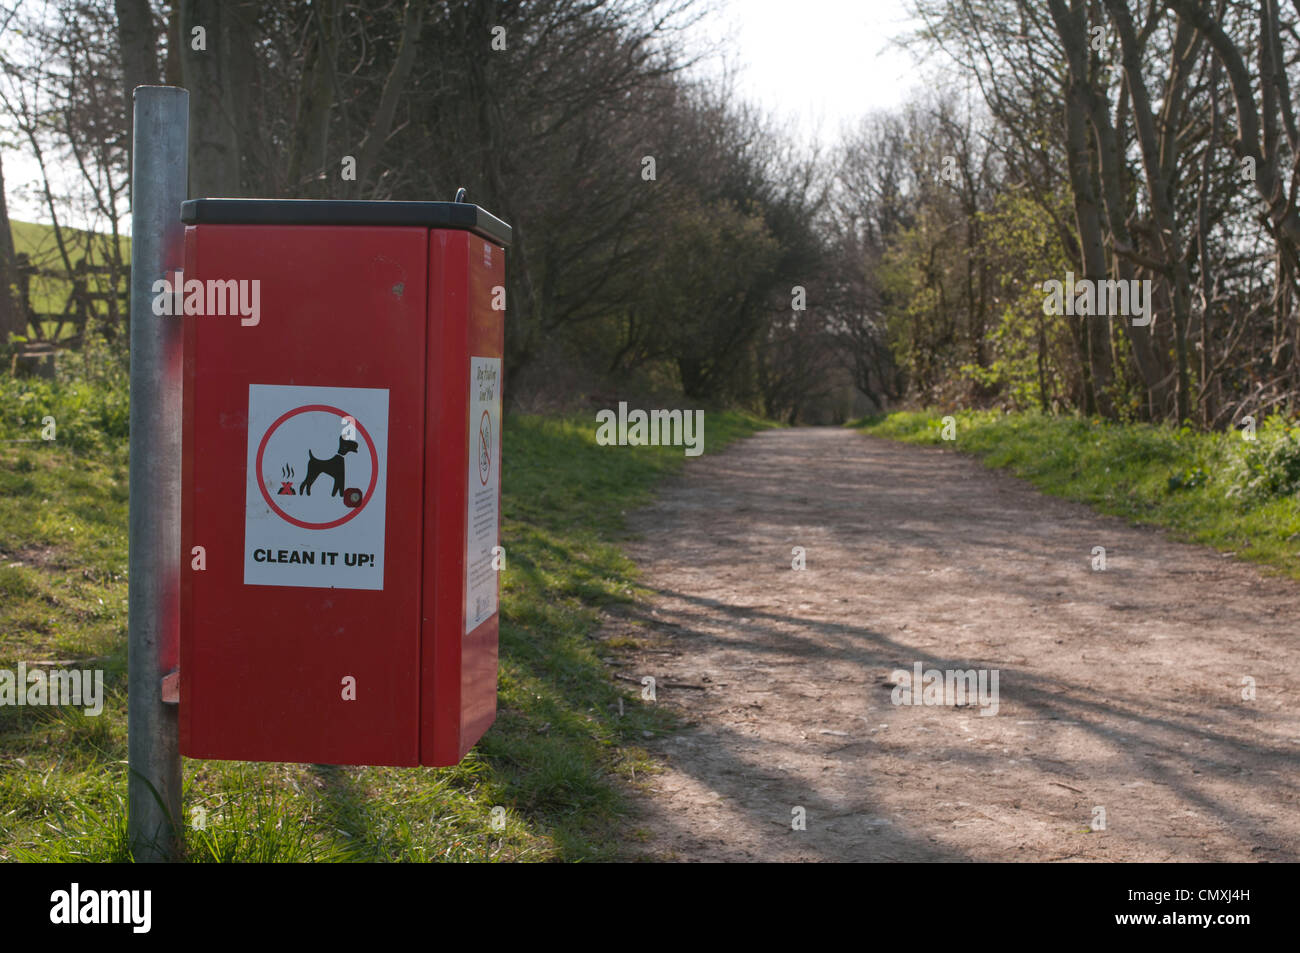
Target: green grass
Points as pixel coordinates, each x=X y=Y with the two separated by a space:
x=1236 y=495
x=553 y=760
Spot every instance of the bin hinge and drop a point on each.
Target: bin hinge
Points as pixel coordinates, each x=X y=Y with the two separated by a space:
x=171 y=687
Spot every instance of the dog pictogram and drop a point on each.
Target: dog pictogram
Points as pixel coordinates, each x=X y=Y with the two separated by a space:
x=333 y=466
x=307 y=429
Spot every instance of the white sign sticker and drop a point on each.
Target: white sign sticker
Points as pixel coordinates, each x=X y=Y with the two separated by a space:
x=315 y=487
x=482 y=524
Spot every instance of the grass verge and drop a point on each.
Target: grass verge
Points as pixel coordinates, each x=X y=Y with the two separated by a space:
x=552 y=760
x=1237 y=495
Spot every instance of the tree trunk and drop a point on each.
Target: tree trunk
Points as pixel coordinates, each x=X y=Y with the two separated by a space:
x=1153 y=368
x=12 y=320
x=217 y=87
x=172 y=66
x=1158 y=142
x=1095 y=334
x=308 y=173
x=138 y=43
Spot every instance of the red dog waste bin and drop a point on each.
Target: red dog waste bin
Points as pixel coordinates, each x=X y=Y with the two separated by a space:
x=341 y=478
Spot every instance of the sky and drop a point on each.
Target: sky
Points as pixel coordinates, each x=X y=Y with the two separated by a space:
x=815 y=65
x=818 y=63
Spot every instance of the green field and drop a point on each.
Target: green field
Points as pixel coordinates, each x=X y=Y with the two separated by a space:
x=557 y=758
x=1237 y=495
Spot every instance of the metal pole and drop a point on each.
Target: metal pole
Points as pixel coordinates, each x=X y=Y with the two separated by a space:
x=158 y=177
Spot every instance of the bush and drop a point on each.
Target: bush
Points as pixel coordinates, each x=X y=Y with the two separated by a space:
x=89 y=400
x=1268 y=466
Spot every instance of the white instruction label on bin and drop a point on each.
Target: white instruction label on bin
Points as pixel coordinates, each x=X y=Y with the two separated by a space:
x=482 y=522
x=315 y=486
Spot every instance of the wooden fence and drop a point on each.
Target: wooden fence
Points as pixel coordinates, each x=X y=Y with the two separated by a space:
x=85 y=300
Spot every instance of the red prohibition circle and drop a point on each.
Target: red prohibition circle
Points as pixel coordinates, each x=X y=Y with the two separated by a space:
x=374 y=467
x=485 y=421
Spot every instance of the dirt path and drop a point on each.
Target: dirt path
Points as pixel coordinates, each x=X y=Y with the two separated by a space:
x=1118 y=689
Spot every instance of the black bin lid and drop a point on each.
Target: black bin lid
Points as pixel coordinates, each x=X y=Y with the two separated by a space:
x=462 y=215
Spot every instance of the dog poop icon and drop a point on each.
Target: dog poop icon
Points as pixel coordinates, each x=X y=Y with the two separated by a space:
x=286 y=484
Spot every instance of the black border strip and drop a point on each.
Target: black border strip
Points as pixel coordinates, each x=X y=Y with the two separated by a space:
x=461 y=215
